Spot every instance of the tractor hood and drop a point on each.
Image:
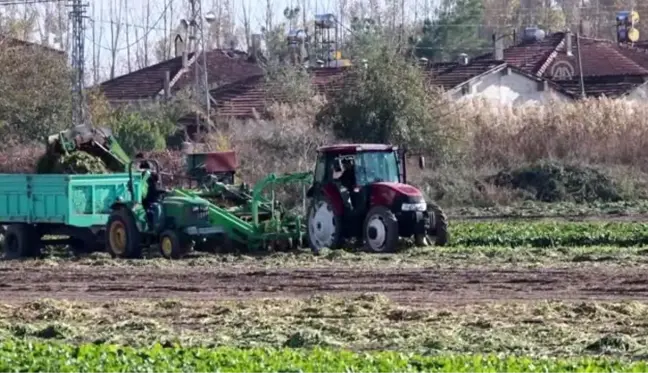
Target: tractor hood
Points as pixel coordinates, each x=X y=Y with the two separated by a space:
x=393 y=194
x=398 y=188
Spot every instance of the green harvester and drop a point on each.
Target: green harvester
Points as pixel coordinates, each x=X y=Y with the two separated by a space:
x=126 y=209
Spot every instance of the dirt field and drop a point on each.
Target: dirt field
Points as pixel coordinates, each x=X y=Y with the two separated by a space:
x=405 y=286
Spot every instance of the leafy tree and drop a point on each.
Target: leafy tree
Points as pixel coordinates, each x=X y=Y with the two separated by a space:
x=35 y=92
x=137 y=131
x=455 y=30
x=386 y=100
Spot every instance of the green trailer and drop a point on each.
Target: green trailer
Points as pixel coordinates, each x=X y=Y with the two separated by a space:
x=76 y=206
x=94 y=211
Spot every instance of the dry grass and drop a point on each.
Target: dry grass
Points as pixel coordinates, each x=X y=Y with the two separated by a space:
x=363 y=322
x=611 y=134
x=597 y=131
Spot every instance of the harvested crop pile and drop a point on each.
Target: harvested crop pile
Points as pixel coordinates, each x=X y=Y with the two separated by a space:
x=555 y=182
x=74 y=163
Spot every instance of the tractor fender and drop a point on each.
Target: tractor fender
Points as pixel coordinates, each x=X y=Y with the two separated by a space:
x=332 y=193
x=135 y=210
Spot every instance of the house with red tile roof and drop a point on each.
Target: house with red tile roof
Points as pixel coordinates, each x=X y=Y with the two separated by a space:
x=557 y=66
x=223 y=67
x=581 y=64
x=494 y=79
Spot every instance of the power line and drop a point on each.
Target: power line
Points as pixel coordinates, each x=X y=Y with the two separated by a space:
x=146 y=34
x=28 y=2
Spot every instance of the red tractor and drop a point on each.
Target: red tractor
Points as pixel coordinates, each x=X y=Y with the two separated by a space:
x=361 y=191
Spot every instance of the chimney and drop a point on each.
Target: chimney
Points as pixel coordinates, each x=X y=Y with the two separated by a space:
x=498 y=48
x=255 y=48
x=167 y=84
x=568 y=43
x=179 y=45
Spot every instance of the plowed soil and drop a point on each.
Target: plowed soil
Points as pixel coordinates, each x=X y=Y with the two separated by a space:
x=411 y=286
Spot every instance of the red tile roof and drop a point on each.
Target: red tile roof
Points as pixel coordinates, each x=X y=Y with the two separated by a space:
x=223 y=67
x=599 y=58
x=610 y=86
x=450 y=74
x=247 y=96
x=6 y=41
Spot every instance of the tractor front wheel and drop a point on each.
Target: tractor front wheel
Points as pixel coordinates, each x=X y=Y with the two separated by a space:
x=324 y=226
x=380 y=230
x=438 y=227
x=122 y=235
x=172 y=246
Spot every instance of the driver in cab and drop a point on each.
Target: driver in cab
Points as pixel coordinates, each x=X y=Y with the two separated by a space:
x=347 y=177
x=153 y=194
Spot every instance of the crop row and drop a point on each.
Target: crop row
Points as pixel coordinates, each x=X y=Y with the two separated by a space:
x=548 y=234
x=54 y=357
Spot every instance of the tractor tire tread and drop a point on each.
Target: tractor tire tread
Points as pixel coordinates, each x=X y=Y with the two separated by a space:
x=133 y=238
x=441 y=234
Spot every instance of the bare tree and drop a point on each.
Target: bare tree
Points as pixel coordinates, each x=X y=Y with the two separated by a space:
x=128 y=45
x=115 y=33
x=247 y=28
x=96 y=45
x=269 y=15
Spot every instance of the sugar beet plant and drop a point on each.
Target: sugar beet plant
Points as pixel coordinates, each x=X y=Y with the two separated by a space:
x=549 y=234
x=53 y=357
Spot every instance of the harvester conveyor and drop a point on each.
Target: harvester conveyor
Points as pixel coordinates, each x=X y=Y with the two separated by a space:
x=257 y=221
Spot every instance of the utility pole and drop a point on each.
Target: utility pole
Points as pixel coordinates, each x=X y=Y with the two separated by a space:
x=201 y=81
x=78 y=62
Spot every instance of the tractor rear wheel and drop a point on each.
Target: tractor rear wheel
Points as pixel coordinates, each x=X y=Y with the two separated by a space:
x=122 y=236
x=172 y=246
x=380 y=230
x=324 y=226
x=22 y=241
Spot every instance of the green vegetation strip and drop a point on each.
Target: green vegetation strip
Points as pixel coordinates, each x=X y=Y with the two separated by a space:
x=549 y=234
x=360 y=323
x=53 y=357
x=601 y=210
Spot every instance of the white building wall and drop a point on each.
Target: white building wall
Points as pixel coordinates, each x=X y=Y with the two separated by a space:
x=512 y=89
x=638 y=94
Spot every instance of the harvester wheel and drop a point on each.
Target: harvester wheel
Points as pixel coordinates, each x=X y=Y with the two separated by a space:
x=324 y=226
x=440 y=228
x=172 y=246
x=380 y=231
x=122 y=236
x=22 y=241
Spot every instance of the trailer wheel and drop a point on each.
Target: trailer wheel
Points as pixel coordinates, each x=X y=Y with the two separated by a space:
x=21 y=241
x=172 y=246
x=122 y=236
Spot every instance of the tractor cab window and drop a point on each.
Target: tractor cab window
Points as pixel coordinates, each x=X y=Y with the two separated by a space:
x=374 y=167
x=320 y=170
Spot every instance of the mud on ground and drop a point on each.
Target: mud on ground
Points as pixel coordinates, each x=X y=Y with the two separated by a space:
x=422 y=285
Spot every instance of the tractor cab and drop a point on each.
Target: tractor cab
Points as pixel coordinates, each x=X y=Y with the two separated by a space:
x=352 y=169
x=360 y=191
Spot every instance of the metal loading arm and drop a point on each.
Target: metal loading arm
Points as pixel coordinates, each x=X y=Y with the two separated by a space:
x=271 y=181
x=95 y=141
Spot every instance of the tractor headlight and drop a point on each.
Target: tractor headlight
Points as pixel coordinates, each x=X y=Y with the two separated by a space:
x=421 y=206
